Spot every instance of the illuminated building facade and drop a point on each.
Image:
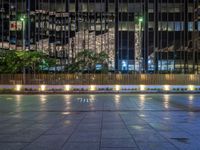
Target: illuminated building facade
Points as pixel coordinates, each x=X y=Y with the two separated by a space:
x=138 y=35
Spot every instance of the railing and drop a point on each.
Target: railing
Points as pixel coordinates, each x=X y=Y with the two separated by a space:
x=100 y=79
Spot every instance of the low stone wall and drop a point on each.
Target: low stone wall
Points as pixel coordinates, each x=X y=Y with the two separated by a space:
x=100 y=79
x=99 y=89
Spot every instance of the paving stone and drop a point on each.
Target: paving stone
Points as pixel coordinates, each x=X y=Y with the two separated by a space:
x=81 y=146
x=115 y=133
x=64 y=122
x=85 y=137
x=12 y=146
x=117 y=143
x=156 y=146
x=133 y=148
x=47 y=142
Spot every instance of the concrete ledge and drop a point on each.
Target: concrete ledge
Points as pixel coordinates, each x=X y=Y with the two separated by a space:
x=37 y=89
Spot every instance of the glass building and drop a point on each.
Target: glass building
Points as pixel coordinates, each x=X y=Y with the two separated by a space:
x=160 y=36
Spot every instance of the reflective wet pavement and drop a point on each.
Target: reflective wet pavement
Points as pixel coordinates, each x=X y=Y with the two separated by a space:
x=100 y=122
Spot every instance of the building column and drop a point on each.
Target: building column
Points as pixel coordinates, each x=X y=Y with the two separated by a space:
x=116 y=35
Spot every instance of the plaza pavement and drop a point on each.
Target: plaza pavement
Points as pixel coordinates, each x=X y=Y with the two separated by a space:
x=100 y=122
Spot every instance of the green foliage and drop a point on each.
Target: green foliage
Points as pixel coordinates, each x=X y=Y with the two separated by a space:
x=13 y=61
x=87 y=60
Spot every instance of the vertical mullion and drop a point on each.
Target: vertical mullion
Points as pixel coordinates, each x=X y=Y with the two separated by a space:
x=155 y=50
x=181 y=40
x=174 y=38
x=127 y=24
x=2 y=24
x=160 y=39
x=168 y=51
x=68 y=34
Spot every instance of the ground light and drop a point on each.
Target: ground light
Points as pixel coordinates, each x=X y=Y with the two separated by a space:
x=117 y=87
x=166 y=87
x=191 y=87
x=92 y=88
x=18 y=87
x=67 y=87
x=42 y=87
x=142 y=87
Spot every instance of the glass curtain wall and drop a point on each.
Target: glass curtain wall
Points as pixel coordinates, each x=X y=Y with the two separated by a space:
x=140 y=36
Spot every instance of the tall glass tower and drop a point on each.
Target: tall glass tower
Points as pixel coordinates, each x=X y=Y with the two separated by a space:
x=158 y=36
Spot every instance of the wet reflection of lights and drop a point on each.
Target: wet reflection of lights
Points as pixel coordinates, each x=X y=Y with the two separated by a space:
x=92 y=98
x=66 y=113
x=18 y=103
x=84 y=100
x=191 y=113
x=191 y=98
x=166 y=101
x=142 y=97
x=9 y=98
x=66 y=122
x=142 y=101
x=18 y=99
x=43 y=99
x=67 y=97
x=67 y=101
x=89 y=99
x=117 y=98
x=142 y=115
x=137 y=127
x=166 y=118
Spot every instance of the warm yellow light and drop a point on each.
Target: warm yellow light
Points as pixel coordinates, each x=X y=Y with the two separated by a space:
x=92 y=88
x=43 y=87
x=117 y=97
x=18 y=87
x=117 y=87
x=67 y=87
x=191 y=97
x=142 y=87
x=66 y=113
x=142 y=97
x=143 y=76
x=192 y=77
x=166 y=101
x=191 y=87
x=166 y=87
x=166 y=97
x=167 y=77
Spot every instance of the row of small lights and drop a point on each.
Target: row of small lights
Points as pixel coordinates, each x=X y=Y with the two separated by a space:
x=117 y=87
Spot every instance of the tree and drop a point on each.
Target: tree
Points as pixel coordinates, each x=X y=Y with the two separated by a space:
x=87 y=60
x=15 y=61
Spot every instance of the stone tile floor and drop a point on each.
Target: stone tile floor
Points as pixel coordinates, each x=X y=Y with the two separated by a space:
x=100 y=122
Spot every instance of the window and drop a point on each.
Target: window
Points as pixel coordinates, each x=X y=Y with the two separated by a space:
x=178 y=26
x=72 y=7
x=198 y=26
x=190 y=26
x=170 y=26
